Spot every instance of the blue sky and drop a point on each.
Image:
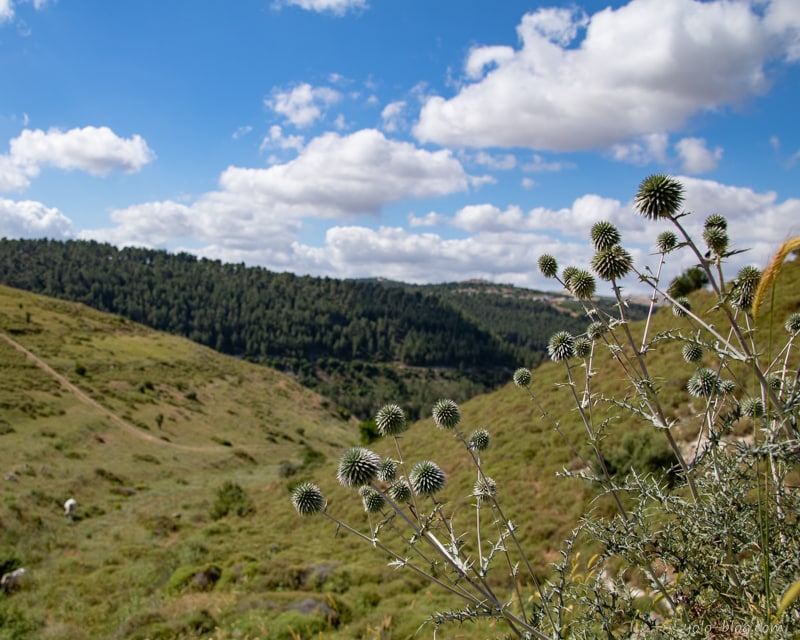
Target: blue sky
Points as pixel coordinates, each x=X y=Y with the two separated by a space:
x=414 y=140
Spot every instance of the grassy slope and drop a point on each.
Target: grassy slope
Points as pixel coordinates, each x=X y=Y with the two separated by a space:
x=115 y=573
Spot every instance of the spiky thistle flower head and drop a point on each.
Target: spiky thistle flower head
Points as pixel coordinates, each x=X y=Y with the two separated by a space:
x=561 y=346
x=357 y=466
x=581 y=284
x=792 y=324
x=716 y=239
x=484 y=489
x=548 y=266
x=595 y=330
x=659 y=196
x=387 y=471
x=745 y=287
x=692 y=352
x=612 y=263
x=390 y=420
x=307 y=499
x=583 y=346
x=774 y=382
x=567 y=273
x=372 y=500
x=479 y=440
x=752 y=407
x=427 y=478
x=715 y=220
x=666 y=242
x=522 y=377
x=681 y=306
x=400 y=490
x=446 y=414
x=604 y=235
x=727 y=386
x=704 y=383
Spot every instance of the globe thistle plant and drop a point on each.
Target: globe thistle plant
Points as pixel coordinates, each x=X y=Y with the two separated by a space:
x=358 y=466
x=745 y=286
x=792 y=324
x=604 y=235
x=659 y=196
x=307 y=499
x=595 y=330
x=681 y=306
x=580 y=283
x=427 y=478
x=390 y=420
x=372 y=500
x=716 y=240
x=522 y=377
x=692 y=352
x=561 y=346
x=400 y=490
x=727 y=386
x=387 y=471
x=716 y=221
x=704 y=383
x=752 y=407
x=479 y=440
x=485 y=489
x=548 y=266
x=613 y=263
x=583 y=346
x=666 y=242
x=446 y=414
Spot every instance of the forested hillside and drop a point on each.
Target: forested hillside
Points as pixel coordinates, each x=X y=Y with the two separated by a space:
x=358 y=342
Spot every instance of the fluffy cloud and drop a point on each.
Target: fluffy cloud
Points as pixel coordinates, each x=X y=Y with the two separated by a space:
x=336 y=7
x=696 y=157
x=97 y=150
x=560 y=94
x=6 y=10
x=392 y=116
x=28 y=219
x=303 y=105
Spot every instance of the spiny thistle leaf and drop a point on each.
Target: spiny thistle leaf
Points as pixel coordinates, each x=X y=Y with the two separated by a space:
x=307 y=499
x=659 y=196
x=357 y=466
x=390 y=420
x=446 y=414
x=604 y=235
x=427 y=478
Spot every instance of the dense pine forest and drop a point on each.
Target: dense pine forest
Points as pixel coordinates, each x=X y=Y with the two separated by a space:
x=358 y=342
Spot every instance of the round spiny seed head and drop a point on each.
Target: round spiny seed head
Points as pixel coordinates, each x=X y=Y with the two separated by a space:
x=548 y=266
x=400 y=490
x=567 y=273
x=479 y=440
x=727 y=387
x=681 y=301
x=613 y=263
x=522 y=377
x=372 y=500
x=387 y=471
x=744 y=289
x=357 y=466
x=561 y=346
x=659 y=196
x=595 y=330
x=604 y=235
x=390 y=420
x=752 y=407
x=692 y=352
x=774 y=382
x=666 y=242
x=581 y=284
x=703 y=383
x=446 y=414
x=583 y=346
x=364 y=490
x=307 y=499
x=485 y=489
x=427 y=478
x=717 y=221
x=792 y=324
x=716 y=240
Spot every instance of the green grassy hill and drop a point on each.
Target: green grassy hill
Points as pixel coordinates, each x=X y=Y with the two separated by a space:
x=143 y=431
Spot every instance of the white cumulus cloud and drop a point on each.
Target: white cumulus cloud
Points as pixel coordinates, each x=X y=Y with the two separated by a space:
x=639 y=69
x=336 y=7
x=303 y=105
x=696 y=157
x=29 y=219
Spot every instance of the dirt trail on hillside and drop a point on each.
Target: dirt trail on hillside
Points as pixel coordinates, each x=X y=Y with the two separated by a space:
x=84 y=397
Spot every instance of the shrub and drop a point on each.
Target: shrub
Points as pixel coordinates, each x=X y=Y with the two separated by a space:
x=231 y=500
x=707 y=549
